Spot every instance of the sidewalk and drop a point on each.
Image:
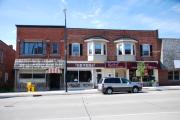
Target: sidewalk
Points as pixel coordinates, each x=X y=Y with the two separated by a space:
x=47 y=93
x=73 y=92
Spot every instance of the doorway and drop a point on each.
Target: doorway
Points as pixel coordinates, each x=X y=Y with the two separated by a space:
x=54 y=81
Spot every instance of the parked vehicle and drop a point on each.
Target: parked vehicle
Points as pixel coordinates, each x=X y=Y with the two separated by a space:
x=108 y=85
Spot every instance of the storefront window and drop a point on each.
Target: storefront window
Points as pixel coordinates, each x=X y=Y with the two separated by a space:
x=72 y=76
x=84 y=76
x=170 y=75
x=75 y=49
x=29 y=75
x=176 y=75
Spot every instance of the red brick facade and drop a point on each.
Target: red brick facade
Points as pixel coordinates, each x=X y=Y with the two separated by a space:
x=6 y=66
x=78 y=35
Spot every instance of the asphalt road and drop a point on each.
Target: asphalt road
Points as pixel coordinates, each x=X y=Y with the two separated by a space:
x=154 y=105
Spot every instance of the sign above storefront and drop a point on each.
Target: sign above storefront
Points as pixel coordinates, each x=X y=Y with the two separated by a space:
x=37 y=63
x=86 y=65
x=115 y=65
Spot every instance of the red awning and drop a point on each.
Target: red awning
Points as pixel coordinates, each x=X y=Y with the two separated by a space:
x=54 y=70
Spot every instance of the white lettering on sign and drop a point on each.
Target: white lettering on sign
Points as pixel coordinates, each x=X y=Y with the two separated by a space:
x=84 y=65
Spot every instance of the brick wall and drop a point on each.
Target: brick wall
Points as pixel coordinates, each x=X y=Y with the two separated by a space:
x=78 y=35
x=7 y=65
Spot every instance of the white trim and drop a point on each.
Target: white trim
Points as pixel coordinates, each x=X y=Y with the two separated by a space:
x=125 y=40
x=96 y=40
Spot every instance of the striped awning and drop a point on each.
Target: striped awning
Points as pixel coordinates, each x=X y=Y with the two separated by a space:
x=54 y=70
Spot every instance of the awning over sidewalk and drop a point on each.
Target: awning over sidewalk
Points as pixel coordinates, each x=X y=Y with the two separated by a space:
x=54 y=70
x=177 y=64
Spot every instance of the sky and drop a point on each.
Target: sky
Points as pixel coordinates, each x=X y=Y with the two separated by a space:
x=163 y=15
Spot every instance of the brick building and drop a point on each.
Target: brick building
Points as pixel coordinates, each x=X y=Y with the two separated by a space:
x=7 y=57
x=92 y=54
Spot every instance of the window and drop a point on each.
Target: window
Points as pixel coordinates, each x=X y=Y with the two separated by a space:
x=1 y=56
x=173 y=75
x=6 y=77
x=146 y=50
x=90 y=46
x=124 y=80
x=55 y=48
x=112 y=80
x=30 y=48
x=75 y=49
x=27 y=75
x=127 y=48
x=97 y=48
x=120 y=49
x=176 y=75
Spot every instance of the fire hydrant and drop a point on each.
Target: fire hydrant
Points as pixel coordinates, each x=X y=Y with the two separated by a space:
x=32 y=88
x=29 y=84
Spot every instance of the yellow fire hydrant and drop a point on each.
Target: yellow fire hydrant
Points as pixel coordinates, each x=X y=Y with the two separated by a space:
x=32 y=87
x=29 y=84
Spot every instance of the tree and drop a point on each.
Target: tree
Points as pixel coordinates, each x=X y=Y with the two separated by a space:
x=140 y=70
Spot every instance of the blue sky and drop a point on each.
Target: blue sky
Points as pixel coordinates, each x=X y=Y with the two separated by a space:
x=163 y=15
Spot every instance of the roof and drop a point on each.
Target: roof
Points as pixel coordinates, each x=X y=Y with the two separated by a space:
x=40 y=26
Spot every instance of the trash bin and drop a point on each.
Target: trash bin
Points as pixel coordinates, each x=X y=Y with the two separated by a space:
x=29 y=84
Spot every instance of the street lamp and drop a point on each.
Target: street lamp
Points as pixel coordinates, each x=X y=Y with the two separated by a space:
x=65 y=51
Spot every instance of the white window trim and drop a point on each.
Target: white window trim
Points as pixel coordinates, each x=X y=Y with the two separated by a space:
x=143 y=51
x=72 y=49
x=93 y=48
x=123 y=48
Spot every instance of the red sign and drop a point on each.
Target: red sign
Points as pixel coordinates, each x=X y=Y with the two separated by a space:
x=115 y=65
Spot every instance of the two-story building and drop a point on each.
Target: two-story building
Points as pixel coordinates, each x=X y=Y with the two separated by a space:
x=92 y=54
x=7 y=57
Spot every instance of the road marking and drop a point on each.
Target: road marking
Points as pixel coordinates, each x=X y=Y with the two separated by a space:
x=109 y=116
x=135 y=114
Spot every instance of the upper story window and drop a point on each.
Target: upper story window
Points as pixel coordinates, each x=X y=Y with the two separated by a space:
x=54 y=48
x=75 y=49
x=31 y=48
x=128 y=48
x=146 y=50
x=98 y=49
x=1 y=56
x=125 y=49
x=90 y=48
x=125 y=46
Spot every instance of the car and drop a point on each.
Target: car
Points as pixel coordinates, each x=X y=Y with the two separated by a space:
x=109 y=85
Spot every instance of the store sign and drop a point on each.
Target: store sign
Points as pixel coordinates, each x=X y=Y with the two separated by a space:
x=115 y=65
x=86 y=65
x=37 y=63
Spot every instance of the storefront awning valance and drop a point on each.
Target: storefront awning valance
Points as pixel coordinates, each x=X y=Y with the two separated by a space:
x=54 y=70
x=177 y=64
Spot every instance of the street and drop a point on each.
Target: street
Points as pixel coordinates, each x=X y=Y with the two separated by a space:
x=152 y=105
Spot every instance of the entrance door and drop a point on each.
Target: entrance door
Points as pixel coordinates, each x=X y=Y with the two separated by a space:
x=99 y=76
x=54 y=81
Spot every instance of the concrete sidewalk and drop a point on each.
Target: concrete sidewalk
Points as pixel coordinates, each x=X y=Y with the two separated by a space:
x=73 y=92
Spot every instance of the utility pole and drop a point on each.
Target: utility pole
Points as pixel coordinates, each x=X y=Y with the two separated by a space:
x=65 y=51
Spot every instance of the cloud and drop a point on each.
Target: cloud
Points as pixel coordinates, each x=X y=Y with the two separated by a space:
x=159 y=23
x=176 y=8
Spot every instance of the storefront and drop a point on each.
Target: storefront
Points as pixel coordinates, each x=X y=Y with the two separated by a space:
x=45 y=74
